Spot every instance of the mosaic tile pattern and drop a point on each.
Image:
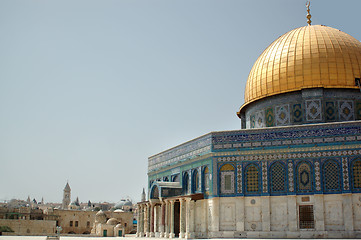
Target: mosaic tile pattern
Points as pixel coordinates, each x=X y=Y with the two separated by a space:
x=270 y=117
x=313 y=110
x=264 y=177
x=346 y=182
x=358 y=110
x=239 y=178
x=252 y=180
x=330 y=111
x=304 y=181
x=282 y=115
x=345 y=110
x=278 y=176
x=331 y=176
x=259 y=119
x=252 y=121
x=356 y=174
x=317 y=176
x=291 y=185
x=297 y=113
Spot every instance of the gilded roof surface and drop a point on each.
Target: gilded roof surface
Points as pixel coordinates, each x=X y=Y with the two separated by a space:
x=306 y=57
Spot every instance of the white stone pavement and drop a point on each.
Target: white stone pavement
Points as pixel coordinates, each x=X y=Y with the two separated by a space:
x=107 y=238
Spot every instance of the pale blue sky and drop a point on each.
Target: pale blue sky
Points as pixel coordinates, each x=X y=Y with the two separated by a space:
x=90 y=89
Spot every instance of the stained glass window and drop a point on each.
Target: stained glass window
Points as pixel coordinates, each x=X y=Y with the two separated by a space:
x=304 y=177
x=278 y=177
x=252 y=179
x=331 y=176
x=356 y=174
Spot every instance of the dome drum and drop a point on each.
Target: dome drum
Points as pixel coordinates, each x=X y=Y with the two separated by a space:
x=316 y=105
x=308 y=57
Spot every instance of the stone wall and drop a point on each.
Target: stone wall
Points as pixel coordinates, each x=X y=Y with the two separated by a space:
x=30 y=227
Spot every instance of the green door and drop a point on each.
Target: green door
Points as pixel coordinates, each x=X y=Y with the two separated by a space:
x=120 y=233
x=105 y=233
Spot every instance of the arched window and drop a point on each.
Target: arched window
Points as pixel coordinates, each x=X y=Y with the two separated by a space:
x=165 y=179
x=331 y=177
x=185 y=183
x=154 y=194
x=195 y=181
x=175 y=178
x=278 y=178
x=227 y=179
x=206 y=179
x=252 y=179
x=356 y=174
x=304 y=177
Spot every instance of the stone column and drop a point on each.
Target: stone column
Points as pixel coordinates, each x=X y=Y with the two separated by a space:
x=162 y=219
x=140 y=221
x=189 y=219
x=347 y=211
x=171 y=230
x=166 y=218
x=151 y=220
x=266 y=214
x=181 y=218
x=146 y=220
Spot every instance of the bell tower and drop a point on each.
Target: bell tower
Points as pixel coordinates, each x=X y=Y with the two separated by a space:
x=66 y=196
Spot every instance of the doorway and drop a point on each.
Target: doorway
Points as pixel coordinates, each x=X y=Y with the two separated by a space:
x=176 y=218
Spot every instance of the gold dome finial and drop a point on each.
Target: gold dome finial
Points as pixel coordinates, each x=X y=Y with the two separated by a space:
x=308 y=13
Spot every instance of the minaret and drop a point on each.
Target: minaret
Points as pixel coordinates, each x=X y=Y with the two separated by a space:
x=143 y=195
x=66 y=196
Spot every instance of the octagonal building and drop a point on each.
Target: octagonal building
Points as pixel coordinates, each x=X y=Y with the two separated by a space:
x=293 y=170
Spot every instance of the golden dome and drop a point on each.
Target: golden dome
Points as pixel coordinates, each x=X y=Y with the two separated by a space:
x=306 y=57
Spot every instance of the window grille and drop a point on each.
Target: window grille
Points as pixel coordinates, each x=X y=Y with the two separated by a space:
x=306 y=217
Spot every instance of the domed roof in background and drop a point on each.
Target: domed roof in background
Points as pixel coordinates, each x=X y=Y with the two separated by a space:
x=100 y=213
x=112 y=221
x=306 y=57
x=119 y=225
x=123 y=202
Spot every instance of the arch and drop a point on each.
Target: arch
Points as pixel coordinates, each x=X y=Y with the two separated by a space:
x=176 y=178
x=304 y=176
x=252 y=179
x=195 y=181
x=227 y=178
x=205 y=179
x=154 y=192
x=278 y=178
x=185 y=183
x=166 y=179
x=356 y=174
x=331 y=176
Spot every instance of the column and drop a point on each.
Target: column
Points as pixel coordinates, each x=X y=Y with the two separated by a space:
x=171 y=232
x=139 y=223
x=189 y=218
x=146 y=220
x=181 y=218
x=166 y=225
x=151 y=220
x=162 y=219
